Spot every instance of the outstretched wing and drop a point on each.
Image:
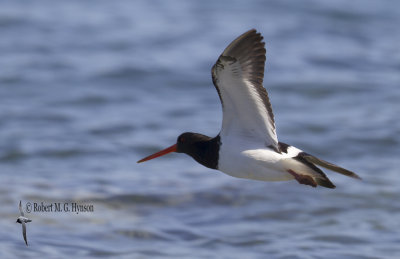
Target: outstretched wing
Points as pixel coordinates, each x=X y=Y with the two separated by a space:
x=20 y=209
x=24 y=232
x=238 y=77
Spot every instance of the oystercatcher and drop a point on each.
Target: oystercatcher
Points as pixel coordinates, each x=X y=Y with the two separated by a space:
x=247 y=145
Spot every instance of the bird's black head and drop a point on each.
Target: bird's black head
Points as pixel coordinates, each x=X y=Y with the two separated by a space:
x=189 y=142
x=202 y=148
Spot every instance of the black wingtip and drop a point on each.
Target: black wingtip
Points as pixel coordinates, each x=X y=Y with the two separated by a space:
x=330 y=166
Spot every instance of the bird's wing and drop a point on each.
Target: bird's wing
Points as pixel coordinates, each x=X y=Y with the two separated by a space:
x=20 y=209
x=24 y=232
x=238 y=77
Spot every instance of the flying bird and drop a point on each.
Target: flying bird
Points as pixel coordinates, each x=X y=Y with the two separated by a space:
x=247 y=145
x=23 y=220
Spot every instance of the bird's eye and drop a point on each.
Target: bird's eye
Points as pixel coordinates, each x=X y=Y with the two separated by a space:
x=181 y=139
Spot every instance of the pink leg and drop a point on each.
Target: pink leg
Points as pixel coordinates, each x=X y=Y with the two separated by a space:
x=303 y=179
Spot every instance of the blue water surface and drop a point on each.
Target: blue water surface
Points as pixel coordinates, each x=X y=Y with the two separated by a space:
x=87 y=88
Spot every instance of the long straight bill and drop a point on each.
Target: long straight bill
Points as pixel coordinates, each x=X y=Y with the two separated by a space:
x=158 y=154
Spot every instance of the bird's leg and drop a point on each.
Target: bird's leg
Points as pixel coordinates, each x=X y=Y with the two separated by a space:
x=303 y=179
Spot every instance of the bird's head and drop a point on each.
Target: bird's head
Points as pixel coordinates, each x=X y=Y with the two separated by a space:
x=185 y=143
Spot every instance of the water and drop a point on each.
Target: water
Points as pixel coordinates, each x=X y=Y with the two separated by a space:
x=88 y=88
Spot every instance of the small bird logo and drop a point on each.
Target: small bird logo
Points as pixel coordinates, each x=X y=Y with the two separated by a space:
x=23 y=220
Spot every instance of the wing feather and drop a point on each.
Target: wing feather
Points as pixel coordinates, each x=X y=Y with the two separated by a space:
x=24 y=232
x=20 y=209
x=238 y=77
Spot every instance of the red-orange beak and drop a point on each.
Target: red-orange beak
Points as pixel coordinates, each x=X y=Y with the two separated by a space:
x=161 y=153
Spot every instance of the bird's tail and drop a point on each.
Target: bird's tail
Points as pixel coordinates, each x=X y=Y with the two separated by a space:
x=305 y=170
x=330 y=166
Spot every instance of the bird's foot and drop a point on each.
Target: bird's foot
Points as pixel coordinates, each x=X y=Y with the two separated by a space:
x=303 y=179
